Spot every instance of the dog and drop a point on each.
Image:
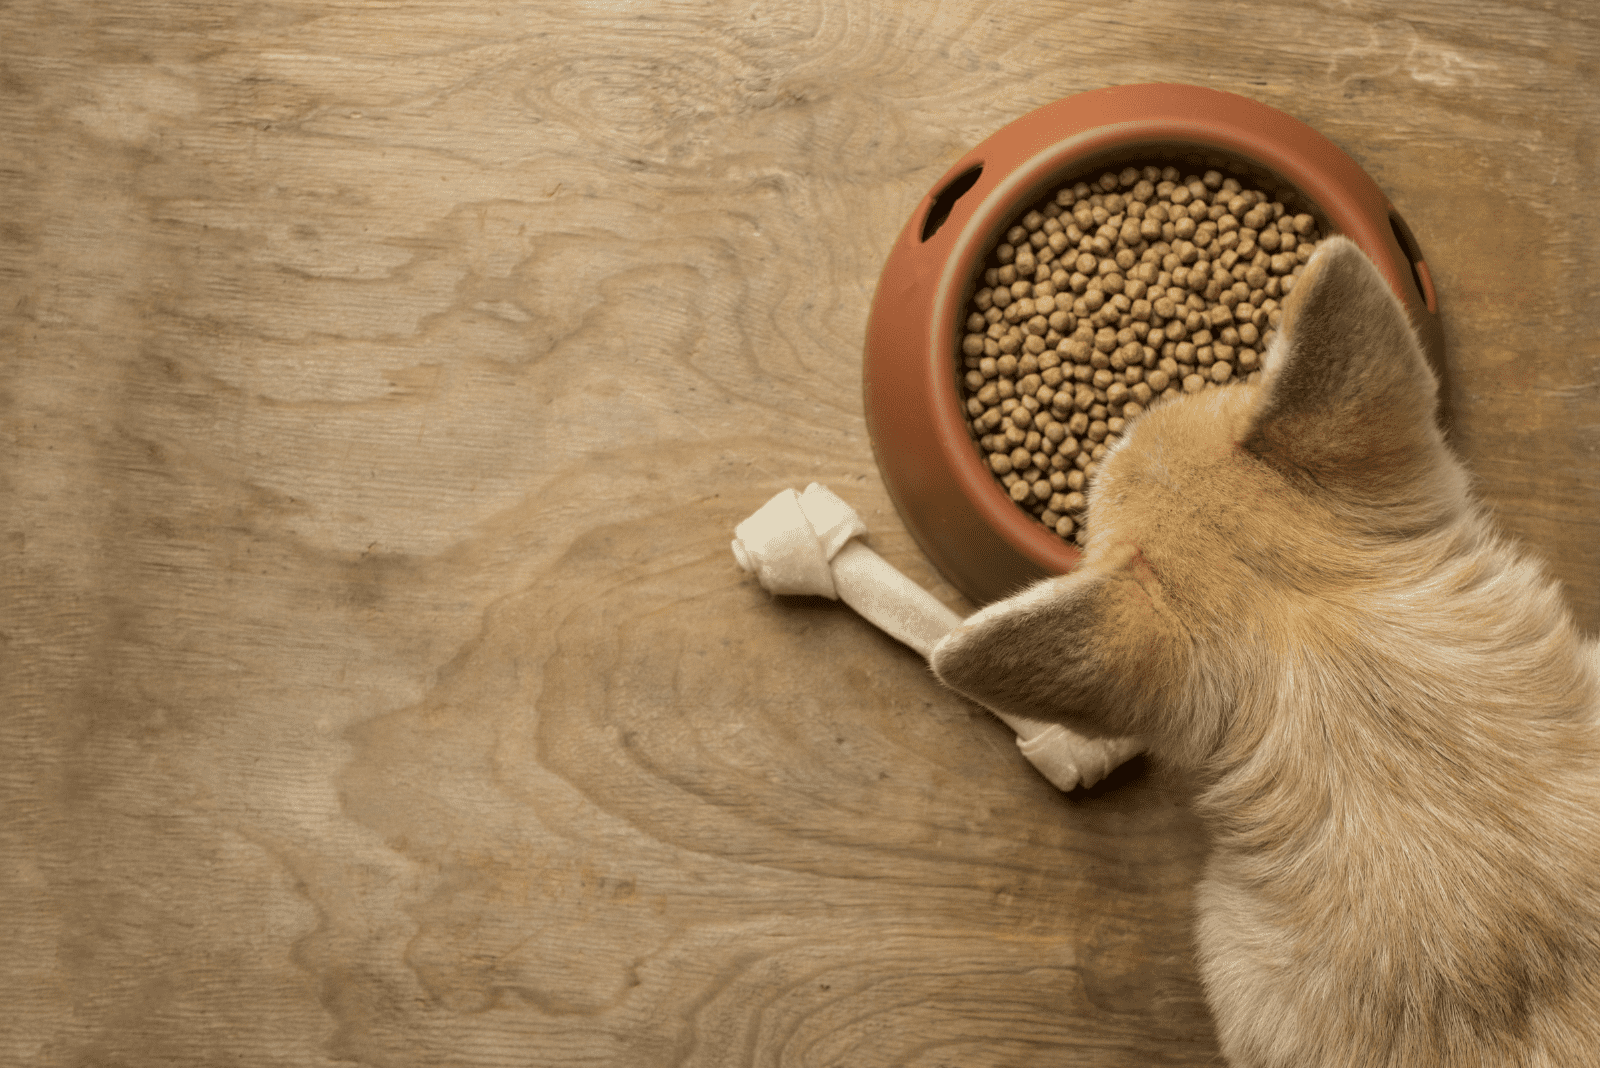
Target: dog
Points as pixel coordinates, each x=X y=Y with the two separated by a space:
x=1393 y=723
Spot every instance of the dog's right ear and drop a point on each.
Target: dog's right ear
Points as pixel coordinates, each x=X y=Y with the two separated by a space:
x=1096 y=650
x=1348 y=398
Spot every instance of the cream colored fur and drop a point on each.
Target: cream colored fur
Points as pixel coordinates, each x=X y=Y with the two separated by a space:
x=1288 y=590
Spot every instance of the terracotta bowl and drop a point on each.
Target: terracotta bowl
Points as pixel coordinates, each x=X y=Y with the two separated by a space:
x=979 y=539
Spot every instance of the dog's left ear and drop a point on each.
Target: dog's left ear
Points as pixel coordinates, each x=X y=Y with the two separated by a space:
x=1093 y=650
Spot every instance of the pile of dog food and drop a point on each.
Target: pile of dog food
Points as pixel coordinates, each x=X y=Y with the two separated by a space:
x=1107 y=296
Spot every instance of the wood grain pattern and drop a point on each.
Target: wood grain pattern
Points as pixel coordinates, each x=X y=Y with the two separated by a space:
x=381 y=385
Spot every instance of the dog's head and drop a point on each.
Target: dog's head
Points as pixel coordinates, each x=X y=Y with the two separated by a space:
x=1225 y=527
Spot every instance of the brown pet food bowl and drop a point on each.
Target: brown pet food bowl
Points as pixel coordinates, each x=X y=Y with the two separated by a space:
x=981 y=541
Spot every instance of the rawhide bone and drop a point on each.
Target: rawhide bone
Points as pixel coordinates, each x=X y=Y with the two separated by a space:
x=809 y=543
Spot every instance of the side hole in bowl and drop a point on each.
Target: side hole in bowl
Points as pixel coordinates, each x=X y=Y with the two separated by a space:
x=1419 y=267
x=945 y=202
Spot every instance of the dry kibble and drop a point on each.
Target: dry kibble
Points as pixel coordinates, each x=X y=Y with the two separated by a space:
x=1111 y=294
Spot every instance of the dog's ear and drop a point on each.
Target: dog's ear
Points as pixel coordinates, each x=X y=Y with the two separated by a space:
x=1095 y=650
x=1348 y=398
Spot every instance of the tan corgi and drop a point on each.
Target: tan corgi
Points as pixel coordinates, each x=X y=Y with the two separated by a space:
x=1288 y=590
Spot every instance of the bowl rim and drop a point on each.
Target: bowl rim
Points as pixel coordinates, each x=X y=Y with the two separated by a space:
x=934 y=266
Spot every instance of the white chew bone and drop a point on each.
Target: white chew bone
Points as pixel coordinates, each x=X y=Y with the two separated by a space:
x=807 y=543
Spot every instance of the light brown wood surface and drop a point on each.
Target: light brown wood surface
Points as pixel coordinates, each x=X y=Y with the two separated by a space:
x=382 y=383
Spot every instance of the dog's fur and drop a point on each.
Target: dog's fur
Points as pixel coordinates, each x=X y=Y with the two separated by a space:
x=1288 y=590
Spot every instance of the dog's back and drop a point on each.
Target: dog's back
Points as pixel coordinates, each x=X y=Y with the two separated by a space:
x=1288 y=588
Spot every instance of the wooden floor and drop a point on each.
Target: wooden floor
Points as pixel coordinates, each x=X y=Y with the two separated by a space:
x=382 y=383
